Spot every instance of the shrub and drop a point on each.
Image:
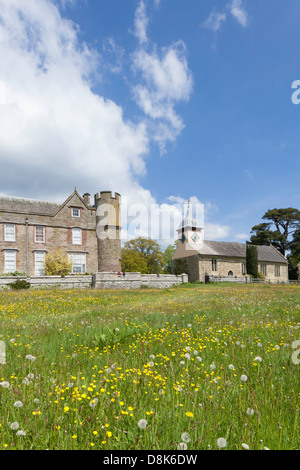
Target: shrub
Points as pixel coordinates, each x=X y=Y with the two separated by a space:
x=19 y=284
x=15 y=274
x=57 y=263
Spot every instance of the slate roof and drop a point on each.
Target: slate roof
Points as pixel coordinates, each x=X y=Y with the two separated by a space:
x=238 y=250
x=28 y=206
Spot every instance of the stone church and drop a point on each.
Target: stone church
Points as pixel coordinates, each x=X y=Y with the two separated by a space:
x=223 y=259
x=30 y=229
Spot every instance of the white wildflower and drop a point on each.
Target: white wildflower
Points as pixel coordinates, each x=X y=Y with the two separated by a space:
x=142 y=424
x=182 y=446
x=4 y=384
x=244 y=378
x=245 y=446
x=221 y=443
x=185 y=437
x=18 y=404
x=21 y=433
x=14 y=426
x=30 y=358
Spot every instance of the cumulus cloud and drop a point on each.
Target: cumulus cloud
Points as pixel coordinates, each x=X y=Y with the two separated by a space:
x=141 y=23
x=165 y=81
x=239 y=12
x=53 y=126
x=217 y=18
x=242 y=237
x=214 y=21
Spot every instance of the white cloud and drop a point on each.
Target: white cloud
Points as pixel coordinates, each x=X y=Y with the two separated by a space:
x=239 y=13
x=214 y=21
x=242 y=236
x=166 y=81
x=214 y=231
x=55 y=131
x=141 y=23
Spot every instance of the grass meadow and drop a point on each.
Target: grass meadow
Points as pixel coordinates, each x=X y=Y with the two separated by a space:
x=195 y=367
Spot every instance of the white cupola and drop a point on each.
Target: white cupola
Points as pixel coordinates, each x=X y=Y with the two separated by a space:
x=189 y=231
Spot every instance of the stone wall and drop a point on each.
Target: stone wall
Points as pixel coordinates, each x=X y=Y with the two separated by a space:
x=100 y=281
x=41 y=282
x=136 y=280
x=224 y=265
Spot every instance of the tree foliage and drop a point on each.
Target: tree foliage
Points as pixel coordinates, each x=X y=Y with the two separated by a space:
x=142 y=255
x=280 y=225
x=57 y=263
x=252 y=261
x=168 y=254
x=180 y=266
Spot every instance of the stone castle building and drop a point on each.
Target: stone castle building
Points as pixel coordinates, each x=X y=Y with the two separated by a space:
x=206 y=259
x=88 y=233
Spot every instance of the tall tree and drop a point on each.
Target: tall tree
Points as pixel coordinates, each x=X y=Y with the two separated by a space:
x=145 y=253
x=252 y=261
x=168 y=254
x=282 y=223
x=294 y=256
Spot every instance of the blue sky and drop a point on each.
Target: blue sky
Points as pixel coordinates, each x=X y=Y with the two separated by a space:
x=161 y=100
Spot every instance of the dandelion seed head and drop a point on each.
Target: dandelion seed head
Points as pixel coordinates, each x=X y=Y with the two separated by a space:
x=221 y=442
x=18 y=404
x=4 y=384
x=185 y=437
x=182 y=446
x=142 y=424
x=14 y=426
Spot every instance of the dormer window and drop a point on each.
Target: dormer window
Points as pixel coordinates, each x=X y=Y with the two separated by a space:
x=75 y=212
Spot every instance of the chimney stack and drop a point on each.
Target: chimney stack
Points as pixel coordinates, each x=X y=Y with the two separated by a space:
x=87 y=199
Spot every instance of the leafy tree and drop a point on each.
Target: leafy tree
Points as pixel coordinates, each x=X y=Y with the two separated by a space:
x=143 y=253
x=133 y=262
x=168 y=254
x=252 y=261
x=180 y=266
x=281 y=224
x=57 y=263
x=294 y=257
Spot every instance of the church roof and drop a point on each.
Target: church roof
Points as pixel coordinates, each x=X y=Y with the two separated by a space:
x=238 y=250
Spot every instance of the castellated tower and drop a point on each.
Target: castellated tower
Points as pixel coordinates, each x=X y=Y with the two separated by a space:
x=108 y=231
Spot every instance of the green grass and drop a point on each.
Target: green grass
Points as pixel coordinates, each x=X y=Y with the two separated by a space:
x=104 y=360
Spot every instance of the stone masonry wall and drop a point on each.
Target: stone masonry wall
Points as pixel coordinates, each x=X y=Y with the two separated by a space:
x=224 y=265
x=100 y=281
x=136 y=280
x=58 y=234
